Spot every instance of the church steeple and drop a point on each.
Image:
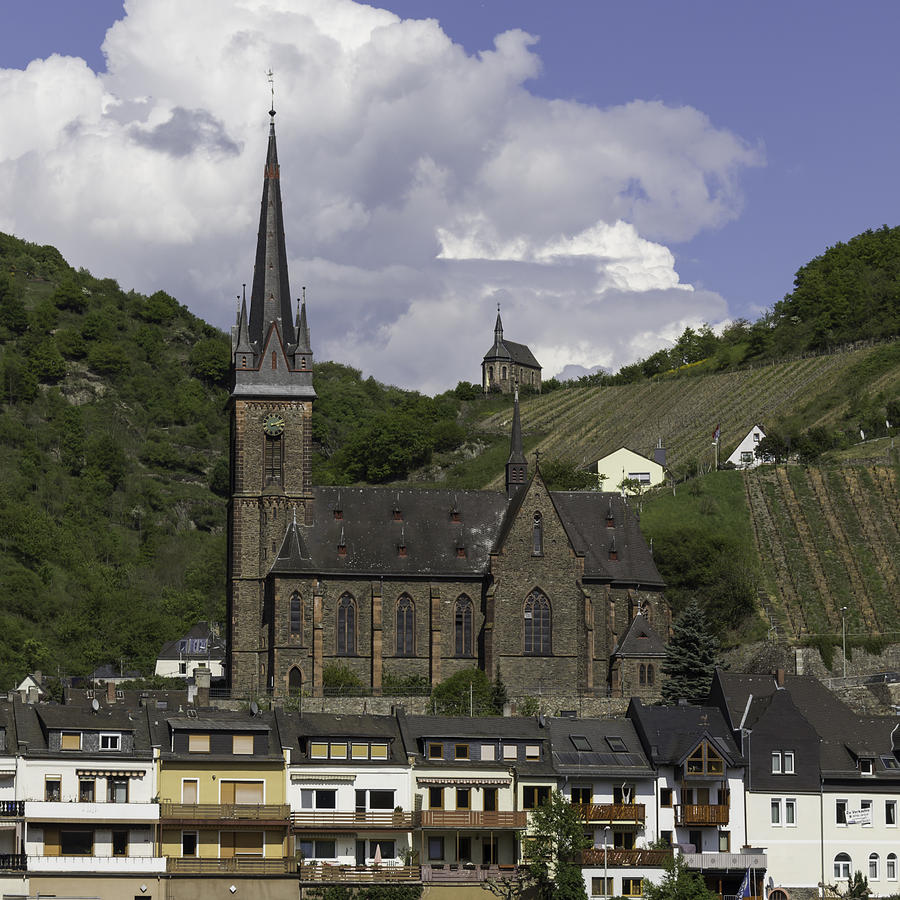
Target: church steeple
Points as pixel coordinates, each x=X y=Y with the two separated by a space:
x=498 y=329
x=516 y=465
x=270 y=296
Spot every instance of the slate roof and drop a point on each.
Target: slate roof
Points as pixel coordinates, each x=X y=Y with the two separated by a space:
x=670 y=733
x=215 y=645
x=371 y=535
x=517 y=353
x=521 y=729
x=844 y=736
x=640 y=640
x=602 y=759
x=297 y=729
x=34 y=723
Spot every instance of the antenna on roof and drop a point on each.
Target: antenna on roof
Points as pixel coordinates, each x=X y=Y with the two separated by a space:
x=95 y=705
x=254 y=708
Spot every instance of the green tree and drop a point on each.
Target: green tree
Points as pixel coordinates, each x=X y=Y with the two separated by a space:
x=13 y=315
x=857 y=888
x=210 y=359
x=462 y=691
x=691 y=657
x=563 y=476
x=679 y=883
x=551 y=845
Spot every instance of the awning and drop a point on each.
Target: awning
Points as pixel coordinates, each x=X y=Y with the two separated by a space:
x=427 y=781
x=111 y=773
x=322 y=779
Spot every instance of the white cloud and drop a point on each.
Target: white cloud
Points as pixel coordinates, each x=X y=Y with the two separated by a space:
x=421 y=185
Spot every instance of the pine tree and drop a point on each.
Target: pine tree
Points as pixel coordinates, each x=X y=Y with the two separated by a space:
x=691 y=657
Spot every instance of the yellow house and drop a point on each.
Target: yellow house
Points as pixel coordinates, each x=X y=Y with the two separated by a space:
x=222 y=803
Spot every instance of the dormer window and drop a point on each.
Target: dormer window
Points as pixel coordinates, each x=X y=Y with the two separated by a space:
x=866 y=766
x=110 y=741
x=338 y=514
x=613 y=551
x=70 y=740
x=704 y=761
x=461 y=551
x=396 y=514
x=454 y=515
x=401 y=549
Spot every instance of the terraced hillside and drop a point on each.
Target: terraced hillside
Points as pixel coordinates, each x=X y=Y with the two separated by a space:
x=827 y=538
x=581 y=424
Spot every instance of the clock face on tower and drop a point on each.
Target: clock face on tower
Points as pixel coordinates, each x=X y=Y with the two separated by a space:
x=273 y=424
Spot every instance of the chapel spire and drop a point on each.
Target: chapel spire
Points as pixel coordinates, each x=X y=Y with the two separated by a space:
x=270 y=295
x=516 y=465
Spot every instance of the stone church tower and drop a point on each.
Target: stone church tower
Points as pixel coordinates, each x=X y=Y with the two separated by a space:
x=270 y=419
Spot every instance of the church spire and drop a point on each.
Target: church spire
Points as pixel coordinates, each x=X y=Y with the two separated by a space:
x=270 y=295
x=498 y=328
x=516 y=465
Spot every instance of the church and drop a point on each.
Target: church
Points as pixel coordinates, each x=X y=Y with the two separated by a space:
x=546 y=588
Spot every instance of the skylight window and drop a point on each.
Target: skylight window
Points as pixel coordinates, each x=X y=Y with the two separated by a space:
x=580 y=742
x=616 y=744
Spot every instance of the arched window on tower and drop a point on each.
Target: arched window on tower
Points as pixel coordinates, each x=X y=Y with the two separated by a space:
x=295 y=682
x=274 y=360
x=406 y=626
x=297 y=616
x=537 y=534
x=537 y=624
x=345 y=644
x=464 y=644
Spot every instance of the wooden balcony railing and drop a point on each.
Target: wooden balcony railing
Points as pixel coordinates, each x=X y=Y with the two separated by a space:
x=325 y=873
x=12 y=809
x=471 y=818
x=275 y=813
x=468 y=872
x=239 y=865
x=620 y=813
x=332 y=820
x=701 y=814
x=615 y=856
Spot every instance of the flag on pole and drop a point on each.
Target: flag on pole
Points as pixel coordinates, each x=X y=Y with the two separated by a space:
x=745 y=888
x=716 y=434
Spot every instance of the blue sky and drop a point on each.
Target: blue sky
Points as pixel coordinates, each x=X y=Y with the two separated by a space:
x=786 y=112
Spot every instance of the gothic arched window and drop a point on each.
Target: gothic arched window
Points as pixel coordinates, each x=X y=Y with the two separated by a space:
x=295 y=682
x=537 y=624
x=296 y=615
x=463 y=626
x=642 y=678
x=406 y=626
x=345 y=645
x=649 y=673
x=537 y=534
x=274 y=461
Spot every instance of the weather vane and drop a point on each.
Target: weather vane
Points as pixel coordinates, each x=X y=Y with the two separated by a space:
x=271 y=76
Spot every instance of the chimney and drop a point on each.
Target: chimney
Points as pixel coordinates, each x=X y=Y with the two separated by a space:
x=201 y=680
x=110 y=692
x=779 y=677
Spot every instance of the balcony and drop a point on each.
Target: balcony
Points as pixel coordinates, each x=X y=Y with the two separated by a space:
x=13 y=862
x=12 y=809
x=101 y=865
x=331 y=820
x=468 y=873
x=471 y=818
x=616 y=857
x=234 y=865
x=207 y=813
x=726 y=862
x=61 y=811
x=612 y=813
x=323 y=873
x=700 y=814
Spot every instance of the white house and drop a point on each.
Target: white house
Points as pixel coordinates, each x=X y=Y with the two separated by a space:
x=201 y=647
x=744 y=455
x=624 y=463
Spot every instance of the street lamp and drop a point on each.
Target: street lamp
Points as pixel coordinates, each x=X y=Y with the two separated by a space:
x=844 y=636
x=606 y=890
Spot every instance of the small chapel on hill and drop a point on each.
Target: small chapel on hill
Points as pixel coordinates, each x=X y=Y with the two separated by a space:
x=547 y=588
